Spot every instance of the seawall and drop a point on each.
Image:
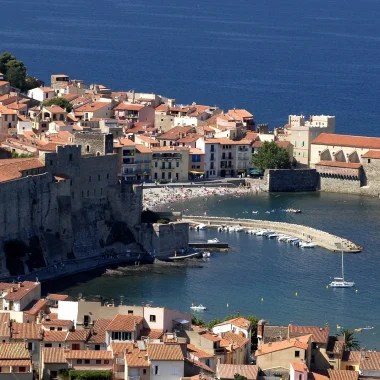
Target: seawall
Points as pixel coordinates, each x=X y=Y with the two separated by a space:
x=321 y=238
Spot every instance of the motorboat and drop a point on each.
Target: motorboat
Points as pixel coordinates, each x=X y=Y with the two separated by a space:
x=360 y=329
x=199 y=307
x=206 y=254
x=283 y=238
x=261 y=233
x=237 y=229
x=307 y=244
x=201 y=227
x=368 y=328
x=215 y=240
x=251 y=232
x=293 y=211
x=272 y=236
x=340 y=282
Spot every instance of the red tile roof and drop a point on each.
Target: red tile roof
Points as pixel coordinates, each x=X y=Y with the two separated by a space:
x=236 y=340
x=212 y=337
x=99 y=333
x=351 y=356
x=11 y=169
x=199 y=365
x=91 y=107
x=53 y=355
x=370 y=362
x=30 y=331
x=347 y=140
x=240 y=113
x=198 y=353
x=238 y=322
x=136 y=358
x=160 y=351
x=55 y=336
x=316 y=376
x=267 y=348
x=129 y=107
x=78 y=336
x=14 y=351
x=56 y=322
x=57 y=297
x=319 y=334
x=142 y=149
x=89 y=354
x=40 y=305
x=227 y=371
x=152 y=334
x=343 y=375
x=337 y=164
x=175 y=133
x=372 y=154
x=17 y=363
x=124 y=323
x=5 y=331
x=299 y=367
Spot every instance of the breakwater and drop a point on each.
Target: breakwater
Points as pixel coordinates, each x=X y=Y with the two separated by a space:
x=321 y=238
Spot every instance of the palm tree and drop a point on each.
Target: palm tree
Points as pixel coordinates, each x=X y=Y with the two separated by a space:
x=350 y=343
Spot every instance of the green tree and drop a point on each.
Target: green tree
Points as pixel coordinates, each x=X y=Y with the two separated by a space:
x=197 y=321
x=350 y=343
x=4 y=59
x=271 y=156
x=21 y=155
x=62 y=102
x=32 y=82
x=239 y=377
x=15 y=73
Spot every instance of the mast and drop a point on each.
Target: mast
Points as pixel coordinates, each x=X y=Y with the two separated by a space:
x=342 y=261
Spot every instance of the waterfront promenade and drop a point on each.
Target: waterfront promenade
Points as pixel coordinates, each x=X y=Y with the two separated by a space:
x=321 y=238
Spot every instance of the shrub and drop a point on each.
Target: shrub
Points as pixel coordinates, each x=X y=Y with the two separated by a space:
x=90 y=375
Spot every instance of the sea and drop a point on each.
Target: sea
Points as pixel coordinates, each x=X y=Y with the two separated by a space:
x=271 y=57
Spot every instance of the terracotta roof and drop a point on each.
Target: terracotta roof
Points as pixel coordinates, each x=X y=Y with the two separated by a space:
x=300 y=342
x=55 y=109
x=3 y=82
x=136 y=358
x=175 y=133
x=299 y=367
x=5 y=331
x=199 y=365
x=152 y=334
x=17 y=363
x=236 y=340
x=69 y=97
x=46 y=89
x=54 y=336
x=335 y=346
x=351 y=356
x=40 y=305
x=347 y=140
x=189 y=139
x=78 y=336
x=168 y=148
x=197 y=352
x=120 y=347
x=89 y=354
x=14 y=351
x=99 y=333
x=53 y=355
x=196 y=151
x=160 y=351
x=316 y=376
x=57 y=297
x=162 y=108
x=124 y=323
x=372 y=154
x=343 y=375
x=129 y=107
x=30 y=331
x=56 y=322
x=53 y=316
x=127 y=142
x=240 y=113
x=319 y=334
x=91 y=107
x=212 y=337
x=11 y=169
x=370 y=362
x=238 y=322
x=337 y=164
x=227 y=371
x=142 y=149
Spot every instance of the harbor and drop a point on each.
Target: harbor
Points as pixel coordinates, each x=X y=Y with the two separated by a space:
x=318 y=237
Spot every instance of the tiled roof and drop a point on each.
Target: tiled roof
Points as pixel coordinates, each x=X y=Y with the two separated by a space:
x=275 y=333
x=189 y=138
x=40 y=305
x=152 y=333
x=212 y=337
x=343 y=375
x=3 y=82
x=351 y=356
x=196 y=151
x=142 y=149
x=299 y=367
x=9 y=170
x=78 y=336
x=54 y=336
x=370 y=362
x=55 y=109
x=337 y=164
x=127 y=142
x=300 y=342
x=124 y=323
x=236 y=340
x=227 y=371
x=169 y=148
x=199 y=365
x=56 y=322
x=53 y=355
x=347 y=140
x=29 y=331
x=57 y=297
x=89 y=354
x=175 y=133
x=160 y=351
x=319 y=334
x=197 y=352
x=129 y=107
x=91 y=107
x=335 y=346
x=238 y=322
x=240 y=113
x=136 y=358
x=99 y=333
x=4 y=325
x=17 y=363
x=372 y=154
x=316 y=376
x=14 y=351
x=120 y=347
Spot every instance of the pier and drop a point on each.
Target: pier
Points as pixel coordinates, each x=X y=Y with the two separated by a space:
x=320 y=238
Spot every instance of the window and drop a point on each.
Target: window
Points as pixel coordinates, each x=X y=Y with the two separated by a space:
x=75 y=346
x=331 y=357
x=87 y=148
x=86 y=361
x=70 y=157
x=22 y=369
x=99 y=177
x=108 y=176
x=98 y=362
x=296 y=354
x=97 y=347
x=144 y=371
x=314 y=345
x=30 y=346
x=53 y=374
x=350 y=368
x=79 y=361
x=156 y=369
x=152 y=318
x=52 y=328
x=106 y=361
x=155 y=164
x=177 y=164
x=51 y=162
x=155 y=176
x=48 y=345
x=130 y=312
x=299 y=377
x=369 y=160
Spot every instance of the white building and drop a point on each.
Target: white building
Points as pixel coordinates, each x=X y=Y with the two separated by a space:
x=41 y=94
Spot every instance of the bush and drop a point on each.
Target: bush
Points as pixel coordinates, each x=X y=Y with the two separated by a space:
x=90 y=375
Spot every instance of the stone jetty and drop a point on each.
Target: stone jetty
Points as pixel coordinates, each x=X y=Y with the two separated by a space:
x=321 y=238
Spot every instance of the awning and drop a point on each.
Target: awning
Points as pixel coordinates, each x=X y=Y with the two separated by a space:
x=196 y=172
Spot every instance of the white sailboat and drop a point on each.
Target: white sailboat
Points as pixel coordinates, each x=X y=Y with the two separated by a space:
x=339 y=282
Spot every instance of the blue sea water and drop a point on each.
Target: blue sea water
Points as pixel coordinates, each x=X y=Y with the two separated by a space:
x=272 y=57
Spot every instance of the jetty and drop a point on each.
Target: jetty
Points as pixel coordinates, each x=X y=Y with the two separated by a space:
x=320 y=238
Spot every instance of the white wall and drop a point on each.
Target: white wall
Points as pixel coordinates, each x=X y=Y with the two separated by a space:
x=68 y=310
x=167 y=370
x=186 y=121
x=23 y=126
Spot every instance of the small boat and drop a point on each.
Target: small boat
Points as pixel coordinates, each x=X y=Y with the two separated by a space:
x=339 y=282
x=368 y=328
x=215 y=240
x=261 y=233
x=255 y=212
x=359 y=329
x=293 y=211
x=272 y=236
x=194 y=255
x=206 y=254
x=306 y=244
x=237 y=229
x=199 y=307
x=201 y=227
x=338 y=327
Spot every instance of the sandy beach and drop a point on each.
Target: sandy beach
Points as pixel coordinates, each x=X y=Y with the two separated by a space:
x=161 y=196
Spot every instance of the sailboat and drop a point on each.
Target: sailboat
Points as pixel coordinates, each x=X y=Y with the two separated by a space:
x=339 y=282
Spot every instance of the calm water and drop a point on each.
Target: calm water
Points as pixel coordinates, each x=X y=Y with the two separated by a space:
x=272 y=57
x=257 y=268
